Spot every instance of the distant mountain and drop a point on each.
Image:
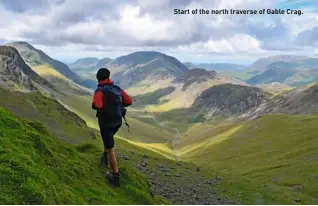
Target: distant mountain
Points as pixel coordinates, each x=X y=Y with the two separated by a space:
x=228 y=100
x=215 y=66
x=297 y=73
x=15 y=74
x=89 y=65
x=187 y=88
x=236 y=103
x=189 y=64
x=275 y=72
x=84 y=63
x=133 y=68
x=35 y=57
x=103 y=62
x=311 y=63
x=221 y=102
x=262 y=64
x=196 y=75
x=300 y=70
x=301 y=100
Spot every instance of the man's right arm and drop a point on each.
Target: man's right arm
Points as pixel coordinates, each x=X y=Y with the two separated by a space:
x=127 y=100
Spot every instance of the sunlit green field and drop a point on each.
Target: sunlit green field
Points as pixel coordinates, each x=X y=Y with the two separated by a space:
x=277 y=150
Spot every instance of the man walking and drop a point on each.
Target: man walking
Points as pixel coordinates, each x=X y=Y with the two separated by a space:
x=109 y=100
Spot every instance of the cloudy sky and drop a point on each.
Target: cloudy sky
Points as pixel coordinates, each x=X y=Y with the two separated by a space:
x=71 y=29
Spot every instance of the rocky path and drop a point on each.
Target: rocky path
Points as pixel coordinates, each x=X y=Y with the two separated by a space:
x=179 y=183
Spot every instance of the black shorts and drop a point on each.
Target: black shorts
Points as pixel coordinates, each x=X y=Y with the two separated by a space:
x=107 y=134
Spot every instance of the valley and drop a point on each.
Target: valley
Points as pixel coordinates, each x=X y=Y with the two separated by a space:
x=218 y=139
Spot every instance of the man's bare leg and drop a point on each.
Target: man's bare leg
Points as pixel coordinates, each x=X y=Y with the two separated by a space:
x=113 y=177
x=112 y=160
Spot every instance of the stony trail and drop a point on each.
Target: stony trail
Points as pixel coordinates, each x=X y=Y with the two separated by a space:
x=180 y=183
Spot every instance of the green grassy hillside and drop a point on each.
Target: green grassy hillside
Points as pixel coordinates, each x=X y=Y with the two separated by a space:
x=278 y=150
x=152 y=97
x=249 y=162
x=143 y=130
x=61 y=122
x=37 y=168
x=36 y=57
x=293 y=74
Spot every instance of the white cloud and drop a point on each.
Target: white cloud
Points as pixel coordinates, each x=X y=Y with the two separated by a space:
x=144 y=27
x=109 y=26
x=233 y=45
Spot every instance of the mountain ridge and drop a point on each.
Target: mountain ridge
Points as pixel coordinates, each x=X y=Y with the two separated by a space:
x=135 y=67
x=15 y=73
x=296 y=73
x=36 y=57
x=89 y=65
x=215 y=66
x=261 y=64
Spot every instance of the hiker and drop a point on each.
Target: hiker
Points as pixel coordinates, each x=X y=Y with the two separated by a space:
x=109 y=101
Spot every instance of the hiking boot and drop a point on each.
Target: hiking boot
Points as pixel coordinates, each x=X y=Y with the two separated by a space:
x=113 y=179
x=104 y=159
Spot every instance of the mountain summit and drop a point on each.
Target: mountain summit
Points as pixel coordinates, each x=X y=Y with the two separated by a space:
x=15 y=74
x=35 y=57
x=89 y=65
x=135 y=67
x=262 y=63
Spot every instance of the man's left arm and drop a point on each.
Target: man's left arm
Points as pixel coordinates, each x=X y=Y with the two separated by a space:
x=98 y=101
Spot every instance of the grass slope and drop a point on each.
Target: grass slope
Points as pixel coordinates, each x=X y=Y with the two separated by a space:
x=275 y=88
x=46 y=70
x=279 y=151
x=140 y=131
x=37 y=168
x=34 y=106
x=152 y=97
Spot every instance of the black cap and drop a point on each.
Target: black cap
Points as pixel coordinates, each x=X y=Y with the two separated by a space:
x=103 y=73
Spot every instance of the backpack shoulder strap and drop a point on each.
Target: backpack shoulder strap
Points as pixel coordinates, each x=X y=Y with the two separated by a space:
x=124 y=110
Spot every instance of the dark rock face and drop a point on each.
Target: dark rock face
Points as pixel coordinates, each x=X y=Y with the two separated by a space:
x=14 y=72
x=35 y=57
x=302 y=100
x=228 y=100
